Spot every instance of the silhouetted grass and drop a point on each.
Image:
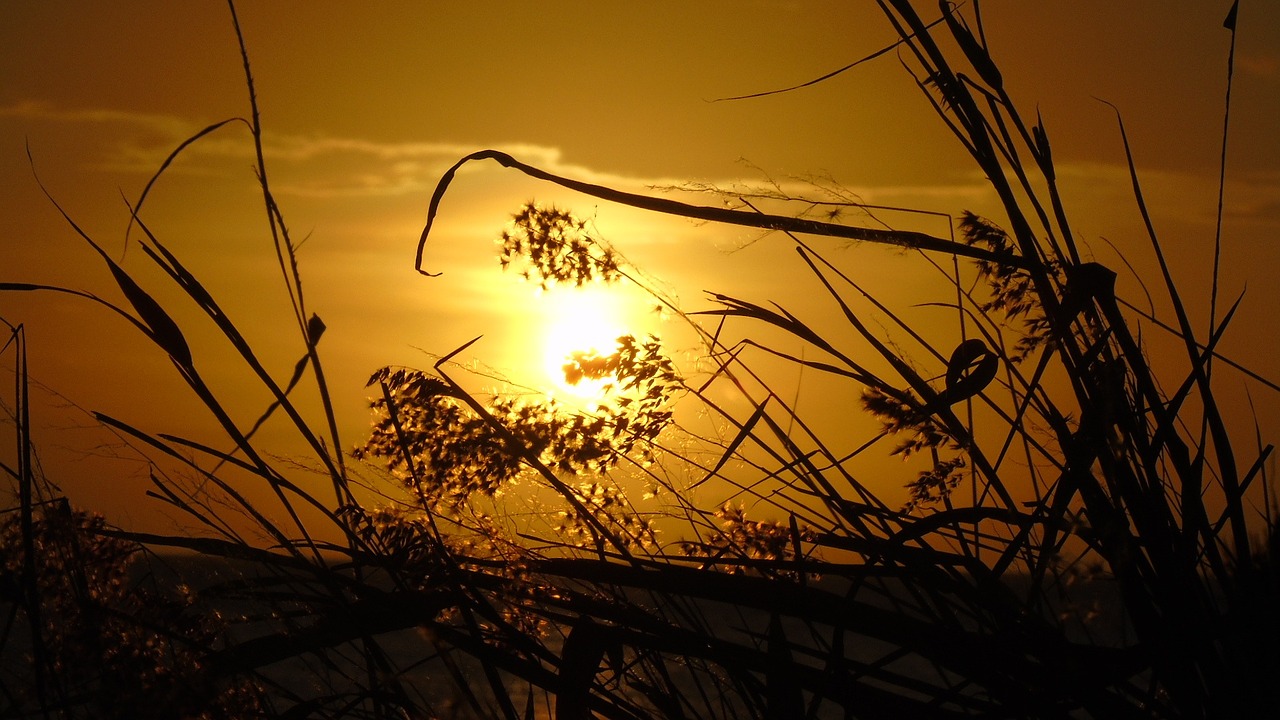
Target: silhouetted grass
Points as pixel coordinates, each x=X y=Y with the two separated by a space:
x=1075 y=542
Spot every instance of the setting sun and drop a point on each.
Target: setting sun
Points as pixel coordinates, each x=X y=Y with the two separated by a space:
x=581 y=320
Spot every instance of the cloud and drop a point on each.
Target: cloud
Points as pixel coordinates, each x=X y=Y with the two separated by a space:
x=36 y=110
x=124 y=141
x=306 y=165
x=318 y=166
x=1171 y=196
x=1263 y=65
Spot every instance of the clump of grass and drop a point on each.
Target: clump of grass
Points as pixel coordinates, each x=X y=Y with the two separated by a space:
x=1073 y=549
x=110 y=640
x=557 y=247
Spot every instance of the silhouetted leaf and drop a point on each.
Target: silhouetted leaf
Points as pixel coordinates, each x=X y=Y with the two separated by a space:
x=971 y=368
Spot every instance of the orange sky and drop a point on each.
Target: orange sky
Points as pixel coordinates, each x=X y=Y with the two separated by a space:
x=364 y=108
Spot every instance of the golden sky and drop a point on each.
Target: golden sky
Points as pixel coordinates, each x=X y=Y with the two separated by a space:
x=364 y=106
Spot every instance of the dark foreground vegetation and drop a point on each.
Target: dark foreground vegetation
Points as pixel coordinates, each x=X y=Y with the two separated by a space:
x=1081 y=537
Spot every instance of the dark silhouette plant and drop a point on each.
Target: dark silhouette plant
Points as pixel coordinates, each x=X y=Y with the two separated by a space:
x=1071 y=541
x=113 y=642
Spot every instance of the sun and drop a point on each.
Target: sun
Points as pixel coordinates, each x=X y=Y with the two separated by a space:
x=581 y=320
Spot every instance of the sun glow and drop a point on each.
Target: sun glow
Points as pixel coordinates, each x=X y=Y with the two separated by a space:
x=581 y=320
